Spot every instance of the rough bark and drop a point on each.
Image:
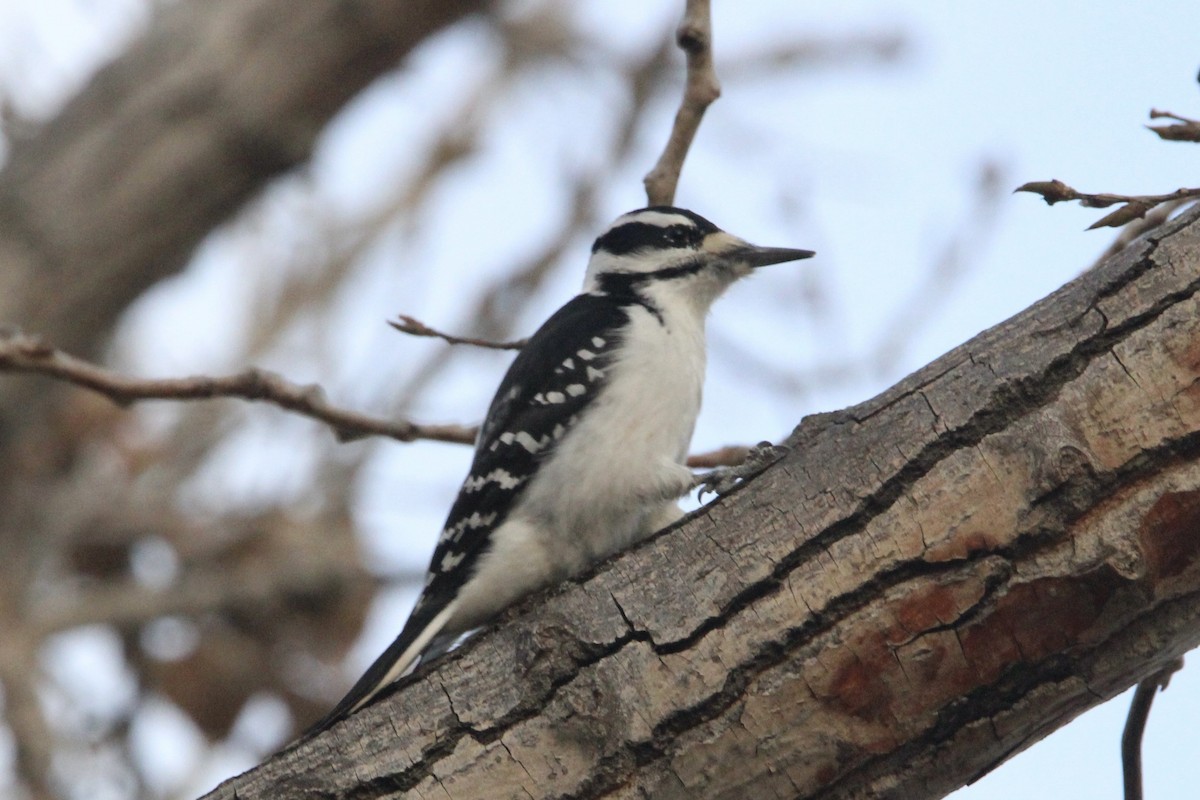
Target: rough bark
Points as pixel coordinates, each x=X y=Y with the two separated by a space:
x=930 y=582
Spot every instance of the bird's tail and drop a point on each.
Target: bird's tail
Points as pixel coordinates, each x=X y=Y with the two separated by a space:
x=397 y=660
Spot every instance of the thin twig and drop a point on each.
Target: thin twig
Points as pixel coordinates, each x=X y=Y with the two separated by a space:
x=23 y=353
x=1185 y=129
x=414 y=327
x=1135 y=726
x=1134 y=206
x=702 y=88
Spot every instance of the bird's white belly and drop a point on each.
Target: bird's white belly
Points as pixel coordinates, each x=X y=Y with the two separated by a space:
x=623 y=478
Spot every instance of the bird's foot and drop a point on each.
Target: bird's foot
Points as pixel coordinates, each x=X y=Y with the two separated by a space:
x=722 y=480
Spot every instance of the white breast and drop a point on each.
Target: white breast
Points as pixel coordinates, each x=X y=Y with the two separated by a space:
x=620 y=464
x=613 y=478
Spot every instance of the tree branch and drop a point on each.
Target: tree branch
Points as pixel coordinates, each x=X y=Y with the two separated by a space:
x=702 y=88
x=155 y=152
x=1184 y=129
x=927 y=583
x=1135 y=206
x=23 y=353
x=1135 y=727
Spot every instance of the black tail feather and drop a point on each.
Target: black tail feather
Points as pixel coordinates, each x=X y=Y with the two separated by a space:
x=373 y=680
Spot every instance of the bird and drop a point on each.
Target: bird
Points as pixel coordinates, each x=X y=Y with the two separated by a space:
x=583 y=449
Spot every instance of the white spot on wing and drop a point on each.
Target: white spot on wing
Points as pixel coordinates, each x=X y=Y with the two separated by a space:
x=594 y=374
x=528 y=442
x=598 y=342
x=476 y=520
x=576 y=389
x=569 y=363
x=586 y=355
x=555 y=397
x=451 y=560
x=502 y=477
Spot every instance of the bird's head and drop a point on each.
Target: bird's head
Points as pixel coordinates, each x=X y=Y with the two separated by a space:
x=662 y=250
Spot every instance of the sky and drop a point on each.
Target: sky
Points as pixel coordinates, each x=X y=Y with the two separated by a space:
x=874 y=168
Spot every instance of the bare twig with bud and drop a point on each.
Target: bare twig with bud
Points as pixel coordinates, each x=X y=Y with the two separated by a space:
x=414 y=327
x=1133 y=206
x=1184 y=129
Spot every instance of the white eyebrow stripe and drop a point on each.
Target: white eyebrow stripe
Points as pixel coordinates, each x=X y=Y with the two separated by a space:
x=662 y=218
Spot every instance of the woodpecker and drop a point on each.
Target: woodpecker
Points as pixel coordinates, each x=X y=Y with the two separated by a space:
x=582 y=452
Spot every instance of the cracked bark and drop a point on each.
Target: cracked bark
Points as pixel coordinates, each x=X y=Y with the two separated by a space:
x=928 y=583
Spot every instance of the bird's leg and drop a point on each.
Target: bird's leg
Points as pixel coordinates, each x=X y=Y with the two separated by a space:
x=722 y=480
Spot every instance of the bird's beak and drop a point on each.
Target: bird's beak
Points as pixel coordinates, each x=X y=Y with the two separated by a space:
x=764 y=256
x=736 y=249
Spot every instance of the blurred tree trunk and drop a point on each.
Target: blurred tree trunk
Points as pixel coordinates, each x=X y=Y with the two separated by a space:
x=930 y=582
x=114 y=194
x=167 y=142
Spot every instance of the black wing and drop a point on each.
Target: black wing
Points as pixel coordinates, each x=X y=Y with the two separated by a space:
x=555 y=376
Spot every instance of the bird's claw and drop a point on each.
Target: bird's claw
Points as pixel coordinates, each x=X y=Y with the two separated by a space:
x=722 y=480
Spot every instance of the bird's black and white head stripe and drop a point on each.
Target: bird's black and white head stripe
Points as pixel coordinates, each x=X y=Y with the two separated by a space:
x=657 y=228
x=649 y=253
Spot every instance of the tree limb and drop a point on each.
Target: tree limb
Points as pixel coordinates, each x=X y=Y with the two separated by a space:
x=928 y=583
x=1133 y=206
x=1135 y=727
x=22 y=353
x=1183 y=129
x=700 y=91
x=219 y=97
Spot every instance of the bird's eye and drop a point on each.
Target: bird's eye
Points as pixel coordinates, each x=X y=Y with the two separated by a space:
x=676 y=237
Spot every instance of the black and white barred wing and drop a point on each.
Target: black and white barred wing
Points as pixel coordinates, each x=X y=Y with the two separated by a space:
x=555 y=376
